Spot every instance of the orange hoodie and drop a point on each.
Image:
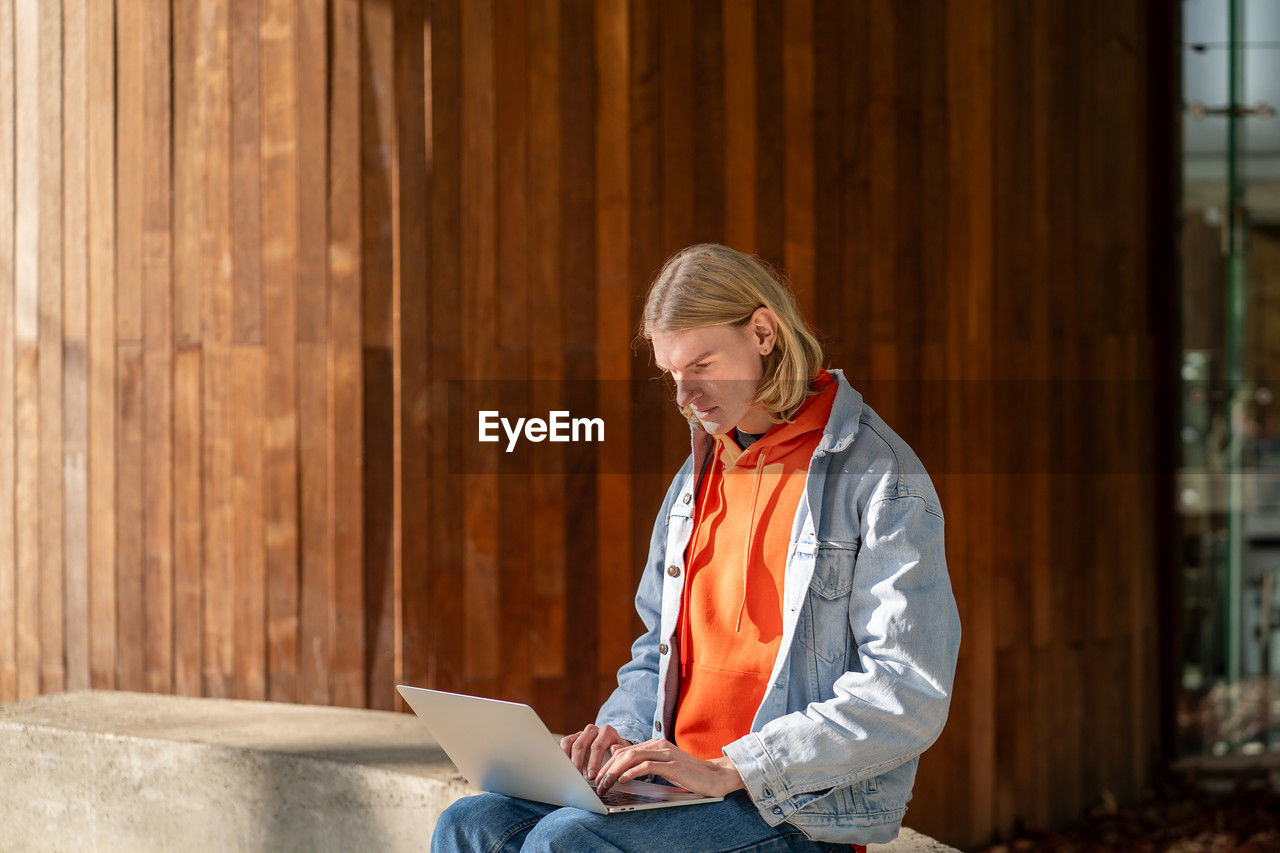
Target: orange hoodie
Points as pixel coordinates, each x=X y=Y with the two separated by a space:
x=731 y=613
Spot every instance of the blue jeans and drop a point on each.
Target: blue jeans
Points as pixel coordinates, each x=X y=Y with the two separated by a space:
x=490 y=823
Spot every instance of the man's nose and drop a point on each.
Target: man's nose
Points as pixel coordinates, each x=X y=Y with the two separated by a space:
x=686 y=392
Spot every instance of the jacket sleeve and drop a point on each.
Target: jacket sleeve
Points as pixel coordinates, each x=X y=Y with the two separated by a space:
x=903 y=616
x=632 y=707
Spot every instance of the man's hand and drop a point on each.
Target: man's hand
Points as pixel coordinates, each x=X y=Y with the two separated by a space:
x=713 y=778
x=590 y=747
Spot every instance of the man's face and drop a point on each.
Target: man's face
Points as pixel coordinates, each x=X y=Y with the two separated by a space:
x=716 y=370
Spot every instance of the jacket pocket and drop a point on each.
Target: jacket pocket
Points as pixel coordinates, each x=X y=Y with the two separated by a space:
x=828 y=635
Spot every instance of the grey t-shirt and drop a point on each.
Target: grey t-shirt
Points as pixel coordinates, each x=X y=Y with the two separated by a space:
x=746 y=439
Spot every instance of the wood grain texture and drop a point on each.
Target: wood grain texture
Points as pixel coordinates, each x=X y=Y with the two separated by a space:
x=412 y=346
x=266 y=259
x=280 y=209
x=315 y=528
x=49 y=348
x=157 y=358
x=216 y=336
x=27 y=533
x=75 y=385
x=8 y=424
x=346 y=446
x=101 y=214
x=379 y=168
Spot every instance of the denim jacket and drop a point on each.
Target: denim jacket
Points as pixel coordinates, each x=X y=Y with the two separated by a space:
x=862 y=682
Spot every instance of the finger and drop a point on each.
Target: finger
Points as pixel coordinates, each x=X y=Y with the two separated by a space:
x=566 y=743
x=644 y=768
x=623 y=760
x=616 y=752
x=585 y=738
x=606 y=739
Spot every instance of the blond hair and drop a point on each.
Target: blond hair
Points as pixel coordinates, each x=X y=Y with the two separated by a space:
x=713 y=285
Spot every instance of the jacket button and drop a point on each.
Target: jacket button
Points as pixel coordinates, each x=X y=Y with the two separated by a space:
x=658 y=726
x=662 y=648
x=674 y=571
x=777 y=810
x=687 y=497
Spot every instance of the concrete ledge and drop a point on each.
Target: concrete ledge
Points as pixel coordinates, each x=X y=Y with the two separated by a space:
x=98 y=770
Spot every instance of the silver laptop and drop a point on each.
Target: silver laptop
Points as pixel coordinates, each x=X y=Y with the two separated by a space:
x=504 y=747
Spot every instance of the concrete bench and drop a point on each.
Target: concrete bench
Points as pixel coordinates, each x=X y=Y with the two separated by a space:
x=99 y=770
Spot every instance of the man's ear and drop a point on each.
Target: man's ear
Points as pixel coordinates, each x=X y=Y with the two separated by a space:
x=764 y=327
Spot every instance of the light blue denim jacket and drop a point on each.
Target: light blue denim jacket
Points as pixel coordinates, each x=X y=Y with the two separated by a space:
x=862 y=682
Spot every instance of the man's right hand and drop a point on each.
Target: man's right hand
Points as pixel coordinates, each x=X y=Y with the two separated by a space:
x=591 y=747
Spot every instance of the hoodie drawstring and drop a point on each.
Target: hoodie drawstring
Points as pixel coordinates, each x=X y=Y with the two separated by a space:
x=751 y=532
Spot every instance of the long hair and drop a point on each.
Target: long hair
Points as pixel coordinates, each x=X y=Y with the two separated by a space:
x=713 y=285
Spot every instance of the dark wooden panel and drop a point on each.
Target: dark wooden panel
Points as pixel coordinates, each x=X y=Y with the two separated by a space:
x=378 y=190
x=413 y=223
x=346 y=443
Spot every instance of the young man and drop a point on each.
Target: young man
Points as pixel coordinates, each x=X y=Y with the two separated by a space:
x=801 y=633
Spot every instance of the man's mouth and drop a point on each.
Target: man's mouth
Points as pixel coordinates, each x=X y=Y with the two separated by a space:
x=702 y=413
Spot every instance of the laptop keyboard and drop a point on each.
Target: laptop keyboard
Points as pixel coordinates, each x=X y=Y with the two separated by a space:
x=626 y=798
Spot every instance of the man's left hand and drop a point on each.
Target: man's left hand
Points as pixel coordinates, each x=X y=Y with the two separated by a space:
x=661 y=757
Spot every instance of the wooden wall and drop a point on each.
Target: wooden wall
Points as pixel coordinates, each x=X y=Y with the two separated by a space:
x=261 y=259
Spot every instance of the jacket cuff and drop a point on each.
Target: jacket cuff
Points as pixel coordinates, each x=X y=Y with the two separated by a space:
x=764 y=783
x=629 y=729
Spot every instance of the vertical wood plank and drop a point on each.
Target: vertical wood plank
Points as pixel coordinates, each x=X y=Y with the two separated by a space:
x=446 y=334
x=629 y=112
x=130 y=615
x=480 y=581
x=52 y=625
x=26 y=494
x=663 y=220
x=129 y=184
x=246 y=170
x=279 y=163
x=189 y=68
x=709 y=144
x=578 y=254
x=157 y=368
x=316 y=601
x=547 y=631
x=249 y=678
x=188 y=630
x=216 y=333
x=188 y=230
x=346 y=425
x=797 y=71
x=769 y=131
x=414 y=555
x=8 y=425
x=101 y=212
x=510 y=81
x=75 y=390
x=247 y=358
x=740 y=124
x=378 y=192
